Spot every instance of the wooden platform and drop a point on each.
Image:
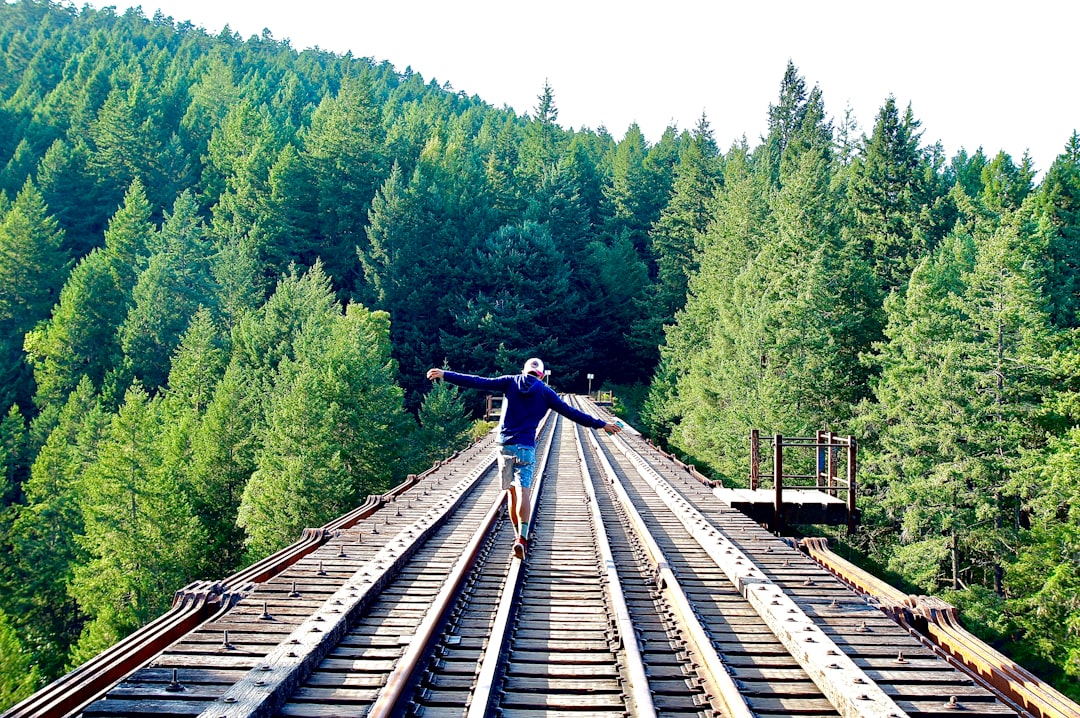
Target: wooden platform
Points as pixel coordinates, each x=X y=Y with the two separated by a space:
x=800 y=506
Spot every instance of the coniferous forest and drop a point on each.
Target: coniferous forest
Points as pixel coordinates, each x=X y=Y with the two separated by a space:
x=225 y=264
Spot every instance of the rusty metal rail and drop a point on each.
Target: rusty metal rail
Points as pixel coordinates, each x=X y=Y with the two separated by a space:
x=938 y=623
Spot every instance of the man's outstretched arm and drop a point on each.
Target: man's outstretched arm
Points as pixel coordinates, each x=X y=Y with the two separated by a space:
x=579 y=416
x=468 y=381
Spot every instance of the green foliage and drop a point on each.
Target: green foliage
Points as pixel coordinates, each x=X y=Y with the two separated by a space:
x=140 y=534
x=818 y=279
x=174 y=285
x=333 y=421
x=44 y=550
x=33 y=265
x=18 y=676
x=445 y=424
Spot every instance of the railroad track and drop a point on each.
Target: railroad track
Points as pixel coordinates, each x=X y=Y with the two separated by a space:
x=640 y=595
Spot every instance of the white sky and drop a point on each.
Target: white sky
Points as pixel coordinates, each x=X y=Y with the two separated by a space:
x=996 y=74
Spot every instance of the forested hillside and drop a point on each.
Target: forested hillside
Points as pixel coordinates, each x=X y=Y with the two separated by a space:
x=225 y=264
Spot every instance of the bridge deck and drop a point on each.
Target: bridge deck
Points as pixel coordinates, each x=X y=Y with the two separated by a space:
x=643 y=593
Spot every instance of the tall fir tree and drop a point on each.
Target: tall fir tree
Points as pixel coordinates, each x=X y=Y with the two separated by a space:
x=333 y=422
x=1059 y=199
x=887 y=194
x=81 y=339
x=140 y=534
x=33 y=265
x=176 y=282
x=43 y=547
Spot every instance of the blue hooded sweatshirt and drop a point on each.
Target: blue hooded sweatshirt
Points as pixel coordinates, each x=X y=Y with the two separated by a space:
x=527 y=400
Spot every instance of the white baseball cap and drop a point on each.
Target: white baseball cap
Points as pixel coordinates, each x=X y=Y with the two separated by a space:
x=534 y=366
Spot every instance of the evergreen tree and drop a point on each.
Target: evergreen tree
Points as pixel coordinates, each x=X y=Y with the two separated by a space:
x=19 y=677
x=140 y=535
x=540 y=148
x=333 y=423
x=783 y=355
x=175 y=283
x=44 y=551
x=72 y=196
x=344 y=159
x=739 y=222
x=198 y=363
x=1059 y=198
x=525 y=306
x=887 y=195
x=33 y=265
x=80 y=339
x=962 y=373
x=223 y=449
x=1045 y=578
x=675 y=238
x=444 y=424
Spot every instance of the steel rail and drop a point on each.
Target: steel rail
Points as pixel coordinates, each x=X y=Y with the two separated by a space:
x=389 y=698
x=484 y=691
x=191 y=608
x=842 y=682
x=265 y=688
x=716 y=678
x=1002 y=676
x=71 y=693
x=640 y=694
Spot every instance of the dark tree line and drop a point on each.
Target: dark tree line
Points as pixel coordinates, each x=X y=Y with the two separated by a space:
x=225 y=265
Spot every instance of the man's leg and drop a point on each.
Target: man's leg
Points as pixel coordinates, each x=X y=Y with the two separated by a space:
x=525 y=512
x=512 y=504
x=507 y=469
x=524 y=474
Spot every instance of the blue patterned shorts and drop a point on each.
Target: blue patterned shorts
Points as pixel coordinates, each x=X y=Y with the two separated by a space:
x=516 y=465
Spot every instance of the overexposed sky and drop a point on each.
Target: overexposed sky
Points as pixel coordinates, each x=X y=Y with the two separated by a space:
x=996 y=74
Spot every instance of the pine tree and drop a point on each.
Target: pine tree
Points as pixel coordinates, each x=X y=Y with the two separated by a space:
x=524 y=306
x=33 y=265
x=675 y=238
x=141 y=536
x=174 y=285
x=344 y=158
x=43 y=547
x=1059 y=198
x=80 y=339
x=444 y=424
x=739 y=223
x=887 y=194
x=962 y=374
x=332 y=426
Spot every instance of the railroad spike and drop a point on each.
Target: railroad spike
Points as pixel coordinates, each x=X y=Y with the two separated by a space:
x=900 y=658
x=265 y=613
x=294 y=593
x=174 y=685
x=225 y=643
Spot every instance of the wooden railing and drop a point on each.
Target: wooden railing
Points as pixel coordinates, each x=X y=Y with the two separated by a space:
x=826 y=452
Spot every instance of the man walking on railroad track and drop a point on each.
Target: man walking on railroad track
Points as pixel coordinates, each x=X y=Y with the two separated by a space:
x=527 y=400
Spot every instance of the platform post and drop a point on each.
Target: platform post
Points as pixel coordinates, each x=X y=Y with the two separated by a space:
x=778 y=483
x=755 y=459
x=851 y=485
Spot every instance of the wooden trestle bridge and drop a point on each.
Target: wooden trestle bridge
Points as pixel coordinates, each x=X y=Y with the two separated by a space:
x=642 y=594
